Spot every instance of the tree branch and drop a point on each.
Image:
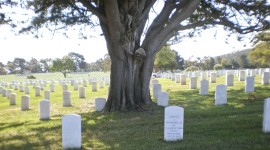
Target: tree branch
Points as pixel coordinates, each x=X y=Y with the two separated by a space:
x=94 y=10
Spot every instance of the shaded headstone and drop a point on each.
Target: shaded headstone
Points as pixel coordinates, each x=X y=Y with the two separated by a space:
x=66 y=97
x=101 y=84
x=82 y=92
x=173 y=123
x=21 y=88
x=163 y=99
x=11 y=86
x=16 y=87
x=4 y=92
x=12 y=98
x=8 y=92
x=193 y=83
x=25 y=102
x=153 y=81
x=41 y=86
x=156 y=90
x=52 y=87
x=27 y=90
x=242 y=75
x=221 y=95
x=229 y=79
x=44 y=109
x=266 y=115
x=37 y=91
x=71 y=131
x=249 y=84
x=177 y=78
x=75 y=86
x=47 y=95
x=94 y=86
x=204 y=87
x=84 y=83
x=265 y=78
x=203 y=76
x=183 y=79
x=100 y=103
x=65 y=87
x=213 y=77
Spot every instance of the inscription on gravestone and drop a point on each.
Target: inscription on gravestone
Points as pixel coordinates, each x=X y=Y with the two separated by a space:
x=173 y=123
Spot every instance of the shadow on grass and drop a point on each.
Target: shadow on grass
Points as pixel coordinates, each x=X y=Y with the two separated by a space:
x=236 y=125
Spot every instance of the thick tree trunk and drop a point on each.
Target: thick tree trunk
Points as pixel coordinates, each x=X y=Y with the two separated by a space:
x=129 y=88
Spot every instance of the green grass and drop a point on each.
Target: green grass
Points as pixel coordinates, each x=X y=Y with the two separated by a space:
x=237 y=125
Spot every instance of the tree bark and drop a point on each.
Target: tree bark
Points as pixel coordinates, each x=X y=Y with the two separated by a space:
x=129 y=88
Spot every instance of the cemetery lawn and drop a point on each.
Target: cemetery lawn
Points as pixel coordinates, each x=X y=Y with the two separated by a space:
x=234 y=126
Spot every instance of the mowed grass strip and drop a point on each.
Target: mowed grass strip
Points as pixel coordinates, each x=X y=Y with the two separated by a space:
x=237 y=125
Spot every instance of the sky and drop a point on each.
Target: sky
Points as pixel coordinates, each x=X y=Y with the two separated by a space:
x=27 y=47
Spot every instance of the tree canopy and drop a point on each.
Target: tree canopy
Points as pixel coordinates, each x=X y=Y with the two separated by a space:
x=64 y=65
x=261 y=53
x=165 y=59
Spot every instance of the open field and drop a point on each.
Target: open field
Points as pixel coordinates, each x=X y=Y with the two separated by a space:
x=237 y=125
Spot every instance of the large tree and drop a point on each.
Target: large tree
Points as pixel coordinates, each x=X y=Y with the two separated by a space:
x=135 y=30
x=79 y=61
x=64 y=65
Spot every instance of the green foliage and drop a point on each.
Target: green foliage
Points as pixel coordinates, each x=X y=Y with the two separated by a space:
x=165 y=59
x=179 y=60
x=218 y=67
x=260 y=55
x=63 y=65
x=79 y=61
x=191 y=68
x=31 y=77
x=243 y=61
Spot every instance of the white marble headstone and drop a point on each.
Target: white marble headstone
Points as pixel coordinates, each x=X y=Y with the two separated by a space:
x=156 y=90
x=9 y=91
x=204 y=87
x=25 y=102
x=221 y=95
x=183 y=79
x=193 y=83
x=100 y=103
x=44 y=109
x=94 y=86
x=266 y=115
x=71 y=131
x=242 y=75
x=52 y=87
x=37 y=91
x=27 y=90
x=173 y=123
x=82 y=92
x=47 y=95
x=213 y=77
x=229 y=79
x=65 y=87
x=66 y=97
x=12 y=98
x=249 y=84
x=265 y=78
x=163 y=99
